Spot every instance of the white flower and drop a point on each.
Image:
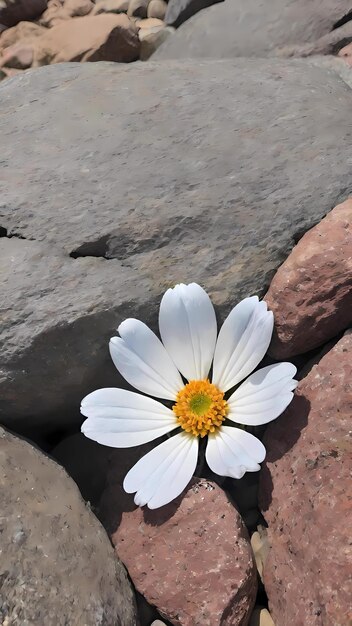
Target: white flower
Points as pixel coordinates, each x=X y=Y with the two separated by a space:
x=187 y=323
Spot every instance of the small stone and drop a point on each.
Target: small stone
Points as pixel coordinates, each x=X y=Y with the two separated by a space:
x=311 y=293
x=261 y=617
x=23 y=33
x=158 y=622
x=138 y=8
x=64 y=10
x=150 y=23
x=192 y=558
x=157 y=8
x=18 y=56
x=111 y=6
x=152 y=38
x=260 y=547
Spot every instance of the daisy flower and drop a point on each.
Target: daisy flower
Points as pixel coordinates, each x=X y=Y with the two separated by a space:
x=200 y=406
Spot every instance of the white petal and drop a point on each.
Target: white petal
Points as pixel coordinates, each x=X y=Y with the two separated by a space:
x=121 y=419
x=264 y=395
x=188 y=329
x=162 y=474
x=143 y=361
x=233 y=452
x=242 y=343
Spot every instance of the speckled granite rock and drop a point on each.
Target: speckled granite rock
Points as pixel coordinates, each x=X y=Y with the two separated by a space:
x=305 y=498
x=116 y=177
x=57 y=566
x=311 y=293
x=191 y=558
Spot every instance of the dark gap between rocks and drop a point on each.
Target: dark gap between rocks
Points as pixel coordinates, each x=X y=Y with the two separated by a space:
x=346 y=18
x=4 y=233
x=341 y=44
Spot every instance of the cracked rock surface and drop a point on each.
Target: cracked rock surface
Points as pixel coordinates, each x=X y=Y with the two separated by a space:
x=146 y=182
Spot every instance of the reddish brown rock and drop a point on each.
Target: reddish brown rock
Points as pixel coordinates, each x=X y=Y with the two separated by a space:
x=14 y=11
x=305 y=497
x=192 y=558
x=106 y=37
x=311 y=293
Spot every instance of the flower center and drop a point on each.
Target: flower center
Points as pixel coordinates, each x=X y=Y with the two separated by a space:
x=200 y=408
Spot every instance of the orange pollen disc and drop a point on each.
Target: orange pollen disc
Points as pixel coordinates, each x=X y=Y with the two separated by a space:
x=200 y=408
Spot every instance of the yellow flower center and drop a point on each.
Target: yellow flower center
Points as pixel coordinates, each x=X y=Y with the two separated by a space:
x=200 y=408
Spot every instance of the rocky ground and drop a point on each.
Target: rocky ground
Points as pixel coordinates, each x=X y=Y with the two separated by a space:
x=225 y=159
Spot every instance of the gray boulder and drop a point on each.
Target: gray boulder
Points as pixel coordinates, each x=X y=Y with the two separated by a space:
x=57 y=565
x=253 y=28
x=178 y=11
x=119 y=181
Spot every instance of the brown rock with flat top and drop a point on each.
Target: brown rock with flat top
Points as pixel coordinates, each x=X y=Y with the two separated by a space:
x=305 y=496
x=311 y=293
x=106 y=37
x=57 y=566
x=192 y=558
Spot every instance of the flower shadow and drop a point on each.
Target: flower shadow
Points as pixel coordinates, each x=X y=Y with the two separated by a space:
x=280 y=437
x=158 y=517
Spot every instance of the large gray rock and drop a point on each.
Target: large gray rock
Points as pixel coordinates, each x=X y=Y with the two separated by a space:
x=178 y=11
x=207 y=176
x=57 y=565
x=253 y=28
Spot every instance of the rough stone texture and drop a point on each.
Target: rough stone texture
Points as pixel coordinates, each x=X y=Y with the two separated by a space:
x=311 y=293
x=305 y=498
x=18 y=56
x=191 y=558
x=251 y=28
x=105 y=37
x=157 y=8
x=336 y=64
x=64 y=10
x=152 y=38
x=110 y=6
x=148 y=173
x=57 y=566
x=331 y=43
x=14 y=11
x=178 y=11
x=23 y=31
